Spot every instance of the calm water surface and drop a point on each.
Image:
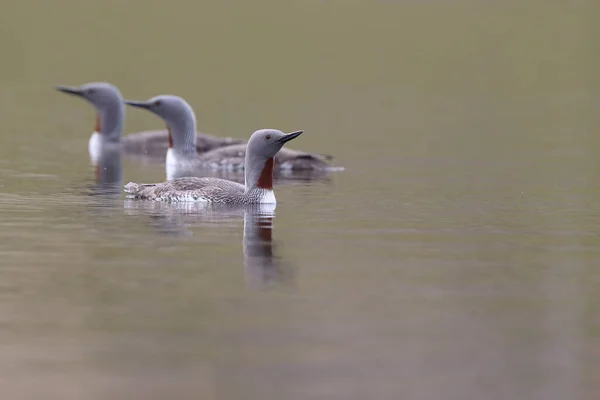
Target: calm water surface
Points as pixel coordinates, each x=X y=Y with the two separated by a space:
x=456 y=257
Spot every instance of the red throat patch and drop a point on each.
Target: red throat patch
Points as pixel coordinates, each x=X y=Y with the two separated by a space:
x=98 y=124
x=170 y=137
x=265 y=181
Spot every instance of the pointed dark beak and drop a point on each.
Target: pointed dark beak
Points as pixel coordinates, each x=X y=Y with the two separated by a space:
x=139 y=104
x=290 y=136
x=69 y=90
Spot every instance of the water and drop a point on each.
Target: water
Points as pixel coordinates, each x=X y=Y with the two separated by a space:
x=455 y=257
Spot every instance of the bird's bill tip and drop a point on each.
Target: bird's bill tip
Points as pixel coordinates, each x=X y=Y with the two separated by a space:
x=68 y=89
x=291 y=136
x=135 y=103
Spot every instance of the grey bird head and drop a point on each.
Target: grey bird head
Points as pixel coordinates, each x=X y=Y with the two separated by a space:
x=177 y=114
x=107 y=100
x=262 y=147
x=265 y=143
x=100 y=94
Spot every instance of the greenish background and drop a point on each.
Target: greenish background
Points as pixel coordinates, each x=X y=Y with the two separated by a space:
x=455 y=257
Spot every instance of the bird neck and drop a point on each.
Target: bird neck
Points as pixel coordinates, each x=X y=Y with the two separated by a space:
x=182 y=136
x=109 y=122
x=259 y=173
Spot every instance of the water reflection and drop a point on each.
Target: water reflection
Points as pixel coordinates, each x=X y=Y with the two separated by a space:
x=263 y=267
x=178 y=218
x=108 y=173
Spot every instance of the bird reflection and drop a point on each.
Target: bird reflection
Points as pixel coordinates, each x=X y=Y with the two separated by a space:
x=176 y=219
x=263 y=267
x=108 y=173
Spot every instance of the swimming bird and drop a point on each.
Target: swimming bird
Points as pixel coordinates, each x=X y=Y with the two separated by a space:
x=180 y=118
x=262 y=147
x=110 y=118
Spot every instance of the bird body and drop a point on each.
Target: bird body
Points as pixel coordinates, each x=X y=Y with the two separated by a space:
x=182 y=155
x=258 y=188
x=110 y=119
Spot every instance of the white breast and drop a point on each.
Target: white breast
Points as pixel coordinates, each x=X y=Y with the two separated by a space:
x=171 y=164
x=95 y=147
x=268 y=197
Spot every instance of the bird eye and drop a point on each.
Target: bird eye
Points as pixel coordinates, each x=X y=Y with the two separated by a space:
x=267 y=137
x=157 y=103
x=90 y=91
